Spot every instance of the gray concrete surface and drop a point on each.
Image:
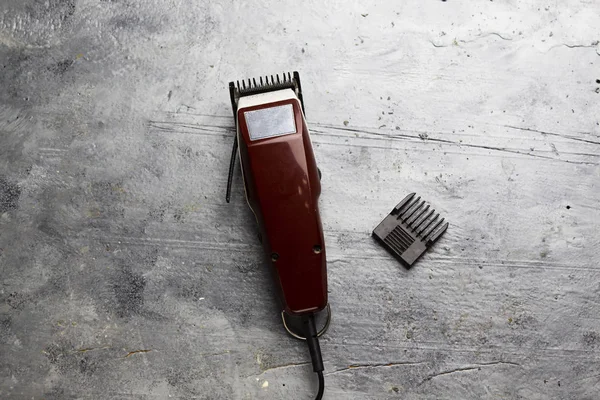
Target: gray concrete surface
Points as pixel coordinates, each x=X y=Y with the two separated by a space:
x=125 y=275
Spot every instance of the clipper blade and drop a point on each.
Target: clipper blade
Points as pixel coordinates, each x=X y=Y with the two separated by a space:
x=268 y=83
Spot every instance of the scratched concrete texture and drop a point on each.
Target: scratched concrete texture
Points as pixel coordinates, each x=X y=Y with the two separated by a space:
x=125 y=275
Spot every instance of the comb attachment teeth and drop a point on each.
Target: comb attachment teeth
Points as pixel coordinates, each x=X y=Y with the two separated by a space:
x=411 y=228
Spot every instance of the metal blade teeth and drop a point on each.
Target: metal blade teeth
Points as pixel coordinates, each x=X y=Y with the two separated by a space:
x=267 y=82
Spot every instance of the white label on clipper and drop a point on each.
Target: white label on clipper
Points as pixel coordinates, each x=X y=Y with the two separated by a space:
x=270 y=122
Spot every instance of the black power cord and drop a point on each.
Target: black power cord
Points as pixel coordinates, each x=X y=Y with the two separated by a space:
x=315 y=351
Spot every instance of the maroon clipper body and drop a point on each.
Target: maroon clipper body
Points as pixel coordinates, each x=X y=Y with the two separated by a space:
x=282 y=185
